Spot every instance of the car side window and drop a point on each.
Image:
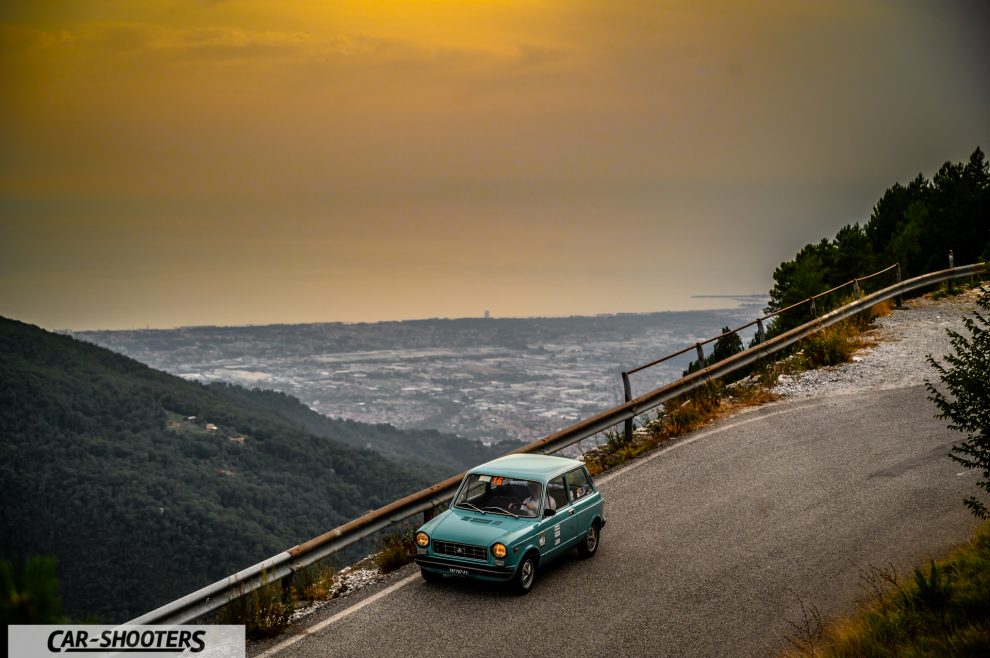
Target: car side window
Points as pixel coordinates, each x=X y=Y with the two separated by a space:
x=579 y=483
x=556 y=493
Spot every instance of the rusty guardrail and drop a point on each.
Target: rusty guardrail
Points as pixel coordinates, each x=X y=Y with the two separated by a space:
x=282 y=566
x=761 y=334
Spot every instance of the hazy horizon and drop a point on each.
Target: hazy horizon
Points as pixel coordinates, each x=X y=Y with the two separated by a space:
x=741 y=301
x=174 y=163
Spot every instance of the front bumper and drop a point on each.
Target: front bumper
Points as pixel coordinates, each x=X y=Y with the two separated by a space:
x=457 y=568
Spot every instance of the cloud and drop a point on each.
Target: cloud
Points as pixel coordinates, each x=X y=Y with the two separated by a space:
x=127 y=37
x=16 y=39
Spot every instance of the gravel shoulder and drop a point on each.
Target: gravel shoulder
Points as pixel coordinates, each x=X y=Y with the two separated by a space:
x=902 y=341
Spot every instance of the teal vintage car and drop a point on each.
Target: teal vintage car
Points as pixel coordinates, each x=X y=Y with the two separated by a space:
x=511 y=515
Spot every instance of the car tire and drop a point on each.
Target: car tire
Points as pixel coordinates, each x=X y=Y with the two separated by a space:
x=522 y=582
x=430 y=576
x=589 y=546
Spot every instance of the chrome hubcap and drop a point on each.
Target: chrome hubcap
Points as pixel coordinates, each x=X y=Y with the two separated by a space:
x=592 y=538
x=527 y=573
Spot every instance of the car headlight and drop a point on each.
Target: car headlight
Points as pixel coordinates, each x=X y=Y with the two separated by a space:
x=498 y=550
x=422 y=539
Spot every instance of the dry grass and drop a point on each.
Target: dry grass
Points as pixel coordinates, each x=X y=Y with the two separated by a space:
x=831 y=346
x=942 y=609
x=264 y=612
x=677 y=417
x=882 y=309
x=828 y=347
x=315 y=583
x=397 y=550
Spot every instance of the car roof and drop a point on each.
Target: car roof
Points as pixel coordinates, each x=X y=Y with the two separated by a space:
x=527 y=467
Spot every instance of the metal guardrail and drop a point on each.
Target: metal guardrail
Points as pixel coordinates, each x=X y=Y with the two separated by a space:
x=761 y=334
x=283 y=565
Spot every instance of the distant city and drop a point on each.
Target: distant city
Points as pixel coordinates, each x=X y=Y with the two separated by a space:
x=481 y=378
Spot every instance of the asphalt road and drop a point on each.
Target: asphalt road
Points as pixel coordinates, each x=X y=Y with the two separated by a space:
x=711 y=546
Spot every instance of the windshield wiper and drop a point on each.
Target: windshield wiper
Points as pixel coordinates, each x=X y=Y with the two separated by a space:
x=471 y=505
x=504 y=511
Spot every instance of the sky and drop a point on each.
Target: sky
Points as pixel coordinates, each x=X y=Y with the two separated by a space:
x=186 y=162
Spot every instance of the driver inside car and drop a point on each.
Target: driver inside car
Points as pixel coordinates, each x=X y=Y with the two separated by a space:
x=531 y=505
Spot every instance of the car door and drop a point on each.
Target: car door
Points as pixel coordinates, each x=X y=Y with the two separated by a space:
x=583 y=498
x=558 y=530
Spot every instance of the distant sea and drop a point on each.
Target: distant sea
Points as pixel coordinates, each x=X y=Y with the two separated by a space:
x=480 y=378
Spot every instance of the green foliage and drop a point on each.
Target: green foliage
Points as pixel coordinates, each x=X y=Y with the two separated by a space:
x=429 y=451
x=828 y=347
x=967 y=405
x=799 y=279
x=933 y=591
x=677 y=416
x=688 y=412
x=944 y=612
x=264 y=612
x=915 y=225
x=29 y=595
x=315 y=582
x=101 y=467
x=726 y=346
x=397 y=550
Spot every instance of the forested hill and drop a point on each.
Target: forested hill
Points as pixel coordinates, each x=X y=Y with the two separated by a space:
x=146 y=486
x=915 y=225
x=446 y=453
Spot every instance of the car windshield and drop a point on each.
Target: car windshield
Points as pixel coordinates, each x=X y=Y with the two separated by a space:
x=498 y=494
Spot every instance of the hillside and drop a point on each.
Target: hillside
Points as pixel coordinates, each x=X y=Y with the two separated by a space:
x=447 y=453
x=916 y=225
x=146 y=486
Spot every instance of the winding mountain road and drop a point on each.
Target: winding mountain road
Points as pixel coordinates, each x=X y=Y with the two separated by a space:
x=712 y=544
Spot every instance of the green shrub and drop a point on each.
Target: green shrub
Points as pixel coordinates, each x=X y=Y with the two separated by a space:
x=397 y=550
x=933 y=591
x=944 y=612
x=265 y=612
x=967 y=406
x=29 y=595
x=828 y=347
x=315 y=582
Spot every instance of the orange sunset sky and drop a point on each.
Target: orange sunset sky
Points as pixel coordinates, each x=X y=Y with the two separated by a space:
x=177 y=162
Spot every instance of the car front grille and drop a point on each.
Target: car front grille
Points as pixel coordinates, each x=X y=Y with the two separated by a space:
x=460 y=550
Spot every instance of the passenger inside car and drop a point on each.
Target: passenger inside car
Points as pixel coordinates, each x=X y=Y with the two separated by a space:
x=556 y=494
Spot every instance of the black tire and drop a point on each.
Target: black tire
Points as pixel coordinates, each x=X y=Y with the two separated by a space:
x=522 y=582
x=592 y=538
x=430 y=576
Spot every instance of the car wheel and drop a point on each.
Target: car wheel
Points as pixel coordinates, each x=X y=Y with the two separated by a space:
x=430 y=576
x=589 y=546
x=522 y=582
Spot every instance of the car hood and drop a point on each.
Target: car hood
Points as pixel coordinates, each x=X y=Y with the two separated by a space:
x=467 y=527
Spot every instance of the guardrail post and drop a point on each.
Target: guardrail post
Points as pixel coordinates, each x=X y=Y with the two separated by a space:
x=952 y=264
x=627 y=391
x=761 y=334
x=814 y=312
x=701 y=355
x=856 y=291
x=899 y=300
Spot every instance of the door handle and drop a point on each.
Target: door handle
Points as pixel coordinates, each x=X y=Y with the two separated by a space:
x=570 y=513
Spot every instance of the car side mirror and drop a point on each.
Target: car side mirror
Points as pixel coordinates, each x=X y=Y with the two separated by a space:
x=549 y=512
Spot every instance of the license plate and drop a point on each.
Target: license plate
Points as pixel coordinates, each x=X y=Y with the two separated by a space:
x=459 y=572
